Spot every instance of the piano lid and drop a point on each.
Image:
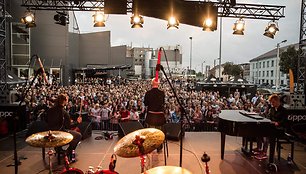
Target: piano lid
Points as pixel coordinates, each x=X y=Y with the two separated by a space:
x=236 y=116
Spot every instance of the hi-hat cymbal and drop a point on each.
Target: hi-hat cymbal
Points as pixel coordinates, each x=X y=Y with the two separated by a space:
x=167 y=170
x=152 y=139
x=49 y=139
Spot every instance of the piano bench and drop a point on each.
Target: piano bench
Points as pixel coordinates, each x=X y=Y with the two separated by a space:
x=280 y=142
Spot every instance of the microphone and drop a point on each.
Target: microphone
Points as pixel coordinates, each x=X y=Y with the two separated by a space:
x=158 y=66
x=43 y=70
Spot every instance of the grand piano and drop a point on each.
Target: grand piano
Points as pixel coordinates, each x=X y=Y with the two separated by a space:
x=234 y=123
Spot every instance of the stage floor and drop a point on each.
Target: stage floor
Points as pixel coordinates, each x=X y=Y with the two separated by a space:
x=91 y=152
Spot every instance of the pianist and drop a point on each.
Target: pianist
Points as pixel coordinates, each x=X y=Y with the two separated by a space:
x=277 y=112
x=277 y=115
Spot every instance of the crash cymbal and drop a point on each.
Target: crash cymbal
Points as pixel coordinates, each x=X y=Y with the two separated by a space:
x=167 y=170
x=151 y=139
x=49 y=139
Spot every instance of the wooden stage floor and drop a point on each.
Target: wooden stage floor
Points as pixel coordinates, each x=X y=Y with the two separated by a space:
x=91 y=152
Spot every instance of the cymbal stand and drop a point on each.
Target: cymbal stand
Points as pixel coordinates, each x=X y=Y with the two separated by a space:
x=139 y=142
x=50 y=154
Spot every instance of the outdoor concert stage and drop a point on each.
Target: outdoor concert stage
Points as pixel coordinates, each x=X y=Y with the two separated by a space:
x=98 y=152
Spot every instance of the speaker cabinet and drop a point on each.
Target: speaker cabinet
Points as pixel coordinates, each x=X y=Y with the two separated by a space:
x=173 y=131
x=128 y=127
x=86 y=129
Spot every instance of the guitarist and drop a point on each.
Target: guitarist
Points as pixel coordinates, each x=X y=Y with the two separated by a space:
x=58 y=119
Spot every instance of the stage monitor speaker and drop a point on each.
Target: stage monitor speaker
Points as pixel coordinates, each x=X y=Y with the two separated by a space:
x=128 y=127
x=86 y=129
x=173 y=130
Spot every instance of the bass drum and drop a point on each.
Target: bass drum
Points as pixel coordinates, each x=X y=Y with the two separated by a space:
x=106 y=172
x=72 y=171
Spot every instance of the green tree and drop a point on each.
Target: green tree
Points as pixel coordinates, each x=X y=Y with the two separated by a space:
x=231 y=69
x=199 y=74
x=288 y=60
x=227 y=68
x=236 y=70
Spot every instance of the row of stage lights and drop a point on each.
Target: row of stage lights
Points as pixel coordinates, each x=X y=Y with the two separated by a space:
x=137 y=21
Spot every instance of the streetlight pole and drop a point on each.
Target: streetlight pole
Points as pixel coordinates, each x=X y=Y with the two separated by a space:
x=190 y=55
x=203 y=68
x=220 y=49
x=277 y=67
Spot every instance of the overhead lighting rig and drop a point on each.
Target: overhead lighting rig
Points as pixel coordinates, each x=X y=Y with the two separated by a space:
x=239 y=27
x=271 y=29
x=137 y=21
x=61 y=18
x=173 y=23
x=99 y=19
x=29 y=19
x=196 y=13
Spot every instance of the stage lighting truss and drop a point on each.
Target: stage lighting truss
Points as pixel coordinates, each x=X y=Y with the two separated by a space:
x=210 y=12
x=173 y=23
x=99 y=19
x=271 y=29
x=239 y=27
x=137 y=21
x=61 y=18
x=28 y=19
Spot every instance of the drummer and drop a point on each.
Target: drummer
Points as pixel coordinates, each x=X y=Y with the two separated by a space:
x=59 y=119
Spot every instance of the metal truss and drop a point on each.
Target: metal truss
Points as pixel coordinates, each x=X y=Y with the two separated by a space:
x=225 y=9
x=302 y=46
x=251 y=11
x=3 y=73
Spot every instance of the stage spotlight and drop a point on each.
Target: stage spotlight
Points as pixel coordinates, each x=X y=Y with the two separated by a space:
x=99 y=19
x=210 y=17
x=239 y=27
x=173 y=23
x=61 y=18
x=271 y=29
x=28 y=19
x=137 y=21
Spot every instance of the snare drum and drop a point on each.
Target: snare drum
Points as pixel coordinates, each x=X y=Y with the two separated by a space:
x=72 y=171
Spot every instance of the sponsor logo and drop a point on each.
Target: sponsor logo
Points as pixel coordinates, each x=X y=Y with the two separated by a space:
x=297 y=118
x=6 y=114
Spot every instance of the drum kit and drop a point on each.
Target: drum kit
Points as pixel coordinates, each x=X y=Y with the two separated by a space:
x=135 y=144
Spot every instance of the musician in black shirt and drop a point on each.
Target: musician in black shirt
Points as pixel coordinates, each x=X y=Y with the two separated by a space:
x=276 y=113
x=154 y=100
x=58 y=119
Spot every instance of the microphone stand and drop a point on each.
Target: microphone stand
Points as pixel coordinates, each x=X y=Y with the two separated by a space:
x=15 y=118
x=183 y=111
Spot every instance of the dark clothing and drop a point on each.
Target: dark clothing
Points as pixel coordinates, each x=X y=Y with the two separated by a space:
x=156 y=119
x=58 y=118
x=278 y=115
x=155 y=100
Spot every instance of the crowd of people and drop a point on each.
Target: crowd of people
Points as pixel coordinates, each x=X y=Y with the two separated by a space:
x=107 y=103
